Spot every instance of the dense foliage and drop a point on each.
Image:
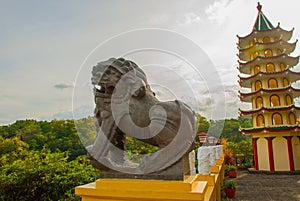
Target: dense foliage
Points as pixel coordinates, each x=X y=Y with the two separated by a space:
x=243 y=147
x=57 y=135
x=227 y=129
x=42 y=160
x=34 y=175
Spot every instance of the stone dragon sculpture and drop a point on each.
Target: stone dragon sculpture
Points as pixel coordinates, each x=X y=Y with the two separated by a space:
x=126 y=105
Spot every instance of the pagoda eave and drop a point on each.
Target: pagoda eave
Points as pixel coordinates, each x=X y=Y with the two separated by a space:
x=249 y=113
x=273 y=129
x=287 y=73
x=247 y=97
x=287 y=48
x=283 y=58
x=244 y=41
x=281 y=43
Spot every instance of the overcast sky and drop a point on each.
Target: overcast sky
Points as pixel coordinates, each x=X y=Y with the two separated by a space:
x=46 y=44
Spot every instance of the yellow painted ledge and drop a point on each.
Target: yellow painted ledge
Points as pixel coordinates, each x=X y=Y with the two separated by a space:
x=196 y=187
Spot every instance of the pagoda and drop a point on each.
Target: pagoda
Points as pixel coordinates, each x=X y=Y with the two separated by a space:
x=266 y=66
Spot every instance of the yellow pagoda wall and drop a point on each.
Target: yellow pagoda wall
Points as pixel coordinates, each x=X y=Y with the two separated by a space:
x=268 y=119
x=262 y=152
x=279 y=149
x=296 y=152
x=280 y=154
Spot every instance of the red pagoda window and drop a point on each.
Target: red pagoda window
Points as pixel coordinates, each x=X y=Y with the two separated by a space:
x=282 y=67
x=260 y=120
x=256 y=69
x=272 y=83
x=276 y=119
x=289 y=100
x=268 y=53
x=266 y=40
x=285 y=82
x=274 y=101
x=257 y=85
x=292 y=118
x=270 y=68
x=259 y=102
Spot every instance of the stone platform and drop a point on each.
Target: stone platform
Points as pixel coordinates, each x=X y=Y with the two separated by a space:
x=267 y=187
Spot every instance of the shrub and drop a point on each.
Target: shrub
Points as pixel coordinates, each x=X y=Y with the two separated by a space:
x=44 y=176
x=230 y=184
x=230 y=168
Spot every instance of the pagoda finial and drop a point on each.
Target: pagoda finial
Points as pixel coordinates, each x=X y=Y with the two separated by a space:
x=259 y=6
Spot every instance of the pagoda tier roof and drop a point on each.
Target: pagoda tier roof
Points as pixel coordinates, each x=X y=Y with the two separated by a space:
x=249 y=113
x=262 y=23
x=245 y=67
x=287 y=73
x=244 y=54
x=270 y=129
x=276 y=32
x=247 y=97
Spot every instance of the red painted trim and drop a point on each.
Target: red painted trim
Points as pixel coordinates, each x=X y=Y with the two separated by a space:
x=290 y=151
x=254 y=145
x=270 y=149
x=268 y=74
x=268 y=90
x=268 y=109
x=284 y=56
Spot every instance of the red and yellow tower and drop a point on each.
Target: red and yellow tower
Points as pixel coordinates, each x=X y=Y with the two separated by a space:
x=265 y=65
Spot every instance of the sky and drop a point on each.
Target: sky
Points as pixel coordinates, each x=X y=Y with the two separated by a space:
x=187 y=49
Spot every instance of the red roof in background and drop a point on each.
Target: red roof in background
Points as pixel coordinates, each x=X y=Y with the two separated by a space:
x=202 y=134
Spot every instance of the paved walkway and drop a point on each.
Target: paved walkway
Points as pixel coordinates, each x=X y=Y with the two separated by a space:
x=265 y=187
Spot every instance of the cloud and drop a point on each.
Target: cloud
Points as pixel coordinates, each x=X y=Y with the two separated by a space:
x=218 y=11
x=159 y=19
x=64 y=85
x=188 y=19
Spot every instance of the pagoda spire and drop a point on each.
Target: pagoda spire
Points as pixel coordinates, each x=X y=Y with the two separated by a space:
x=259 y=6
x=262 y=23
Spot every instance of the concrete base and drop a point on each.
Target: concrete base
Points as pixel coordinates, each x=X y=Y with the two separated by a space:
x=193 y=188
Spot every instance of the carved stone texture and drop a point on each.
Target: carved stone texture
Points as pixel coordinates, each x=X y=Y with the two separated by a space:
x=126 y=105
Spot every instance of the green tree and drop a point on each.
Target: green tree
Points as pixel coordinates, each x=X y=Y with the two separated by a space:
x=44 y=175
x=12 y=145
x=202 y=124
x=243 y=147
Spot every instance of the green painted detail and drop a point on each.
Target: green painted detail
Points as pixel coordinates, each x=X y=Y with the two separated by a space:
x=252 y=129
x=275 y=128
x=281 y=128
x=262 y=23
